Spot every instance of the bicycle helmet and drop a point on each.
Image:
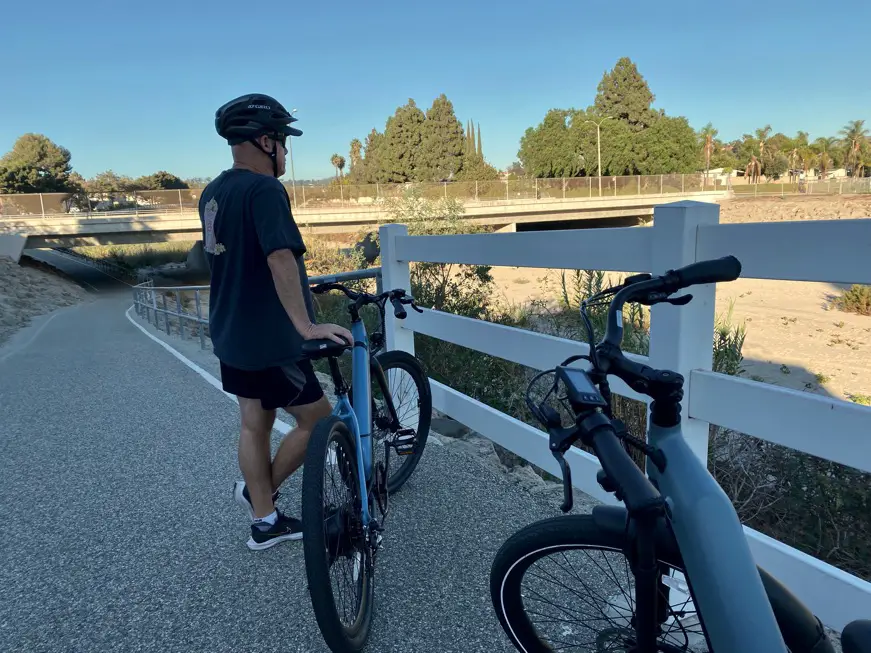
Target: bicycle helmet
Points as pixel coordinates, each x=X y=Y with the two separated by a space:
x=248 y=117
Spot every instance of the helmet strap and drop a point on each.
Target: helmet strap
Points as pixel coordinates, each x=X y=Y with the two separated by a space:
x=272 y=155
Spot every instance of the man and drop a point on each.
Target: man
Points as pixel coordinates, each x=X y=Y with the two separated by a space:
x=260 y=307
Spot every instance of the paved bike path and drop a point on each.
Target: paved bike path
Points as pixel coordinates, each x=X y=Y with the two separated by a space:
x=118 y=532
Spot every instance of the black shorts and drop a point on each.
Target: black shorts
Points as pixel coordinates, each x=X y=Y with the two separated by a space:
x=275 y=387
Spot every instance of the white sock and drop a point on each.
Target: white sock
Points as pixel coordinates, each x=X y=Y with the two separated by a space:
x=268 y=519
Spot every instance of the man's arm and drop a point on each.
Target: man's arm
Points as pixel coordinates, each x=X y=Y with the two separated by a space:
x=285 y=274
x=281 y=243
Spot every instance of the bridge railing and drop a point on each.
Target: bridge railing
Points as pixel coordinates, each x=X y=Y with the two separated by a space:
x=184 y=310
x=681 y=340
x=324 y=196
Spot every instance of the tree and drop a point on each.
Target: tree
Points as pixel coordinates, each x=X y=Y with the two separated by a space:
x=854 y=137
x=36 y=165
x=546 y=150
x=338 y=162
x=669 y=145
x=442 y=143
x=160 y=180
x=623 y=94
x=761 y=137
x=402 y=141
x=356 y=156
x=480 y=147
x=373 y=169
x=106 y=183
x=475 y=168
x=707 y=135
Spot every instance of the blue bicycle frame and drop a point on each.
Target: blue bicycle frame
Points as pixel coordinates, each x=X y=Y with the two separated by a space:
x=359 y=417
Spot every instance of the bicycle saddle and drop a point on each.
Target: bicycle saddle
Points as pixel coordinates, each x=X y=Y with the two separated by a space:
x=323 y=348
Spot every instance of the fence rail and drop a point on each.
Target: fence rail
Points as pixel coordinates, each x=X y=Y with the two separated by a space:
x=680 y=340
x=347 y=195
x=187 y=311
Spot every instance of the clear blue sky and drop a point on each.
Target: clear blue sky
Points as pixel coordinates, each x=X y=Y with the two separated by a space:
x=134 y=86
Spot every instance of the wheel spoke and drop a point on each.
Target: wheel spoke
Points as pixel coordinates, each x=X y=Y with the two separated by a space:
x=567 y=600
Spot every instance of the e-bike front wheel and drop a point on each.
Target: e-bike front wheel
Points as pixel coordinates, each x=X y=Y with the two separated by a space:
x=565 y=584
x=338 y=558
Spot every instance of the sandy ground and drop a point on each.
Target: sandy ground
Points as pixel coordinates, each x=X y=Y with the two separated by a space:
x=794 y=337
x=29 y=290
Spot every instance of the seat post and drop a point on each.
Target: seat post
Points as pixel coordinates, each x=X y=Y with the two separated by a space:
x=338 y=379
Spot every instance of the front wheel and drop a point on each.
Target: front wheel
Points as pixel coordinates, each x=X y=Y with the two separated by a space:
x=338 y=558
x=564 y=584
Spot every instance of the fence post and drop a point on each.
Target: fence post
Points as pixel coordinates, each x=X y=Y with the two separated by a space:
x=42 y=205
x=639 y=184
x=506 y=190
x=200 y=319
x=590 y=184
x=178 y=310
x=154 y=304
x=682 y=183
x=564 y=187
x=395 y=274
x=682 y=340
x=660 y=185
x=476 y=191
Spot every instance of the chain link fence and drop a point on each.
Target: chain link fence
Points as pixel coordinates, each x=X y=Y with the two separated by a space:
x=328 y=196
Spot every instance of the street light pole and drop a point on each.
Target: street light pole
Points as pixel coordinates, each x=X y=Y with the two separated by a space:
x=599 y=147
x=292 y=173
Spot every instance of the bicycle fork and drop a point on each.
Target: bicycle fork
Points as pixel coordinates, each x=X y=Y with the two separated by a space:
x=651 y=595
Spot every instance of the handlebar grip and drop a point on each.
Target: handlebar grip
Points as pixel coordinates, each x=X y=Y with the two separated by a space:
x=398 y=308
x=727 y=268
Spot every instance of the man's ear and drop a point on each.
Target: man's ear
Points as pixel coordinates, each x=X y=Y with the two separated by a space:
x=266 y=143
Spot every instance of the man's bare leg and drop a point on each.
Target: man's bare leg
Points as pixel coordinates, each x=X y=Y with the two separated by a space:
x=254 y=454
x=291 y=453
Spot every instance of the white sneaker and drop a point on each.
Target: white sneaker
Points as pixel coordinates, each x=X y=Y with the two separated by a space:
x=240 y=493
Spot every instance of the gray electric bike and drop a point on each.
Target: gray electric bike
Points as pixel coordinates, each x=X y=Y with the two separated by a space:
x=678 y=545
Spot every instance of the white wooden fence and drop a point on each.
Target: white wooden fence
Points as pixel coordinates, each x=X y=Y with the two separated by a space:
x=681 y=339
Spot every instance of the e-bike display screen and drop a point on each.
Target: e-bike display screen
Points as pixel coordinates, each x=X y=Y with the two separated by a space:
x=580 y=388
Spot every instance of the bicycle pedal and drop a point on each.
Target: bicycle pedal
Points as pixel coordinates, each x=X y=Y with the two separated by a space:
x=404 y=442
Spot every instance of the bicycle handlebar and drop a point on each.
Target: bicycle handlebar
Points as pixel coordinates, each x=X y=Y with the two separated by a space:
x=397 y=297
x=653 y=290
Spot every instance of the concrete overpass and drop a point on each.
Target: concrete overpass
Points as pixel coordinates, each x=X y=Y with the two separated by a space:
x=18 y=233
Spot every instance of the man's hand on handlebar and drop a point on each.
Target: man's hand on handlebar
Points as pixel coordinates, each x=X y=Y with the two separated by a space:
x=332 y=332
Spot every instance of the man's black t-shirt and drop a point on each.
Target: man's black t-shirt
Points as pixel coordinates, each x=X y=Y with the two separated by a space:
x=245 y=217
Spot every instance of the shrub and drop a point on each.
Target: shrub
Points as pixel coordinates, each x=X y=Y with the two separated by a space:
x=855 y=300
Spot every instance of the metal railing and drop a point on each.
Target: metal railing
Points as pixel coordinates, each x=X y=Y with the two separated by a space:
x=168 y=202
x=181 y=202
x=184 y=309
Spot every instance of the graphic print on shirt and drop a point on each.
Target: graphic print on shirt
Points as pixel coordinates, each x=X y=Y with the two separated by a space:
x=211 y=212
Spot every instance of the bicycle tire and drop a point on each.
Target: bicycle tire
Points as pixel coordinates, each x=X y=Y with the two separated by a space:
x=398 y=359
x=339 y=637
x=801 y=630
x=530 y=544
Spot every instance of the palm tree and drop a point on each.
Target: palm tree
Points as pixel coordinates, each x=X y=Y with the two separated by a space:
x=762 y=136
x=753 y=170
x=808 y=159
x=823 y=146
x=708 y=133
x=855 y=135
x=356 y=154
x=340 y=164
x=334 y=160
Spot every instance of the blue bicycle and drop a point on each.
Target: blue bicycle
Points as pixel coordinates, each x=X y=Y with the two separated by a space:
x=345 y=491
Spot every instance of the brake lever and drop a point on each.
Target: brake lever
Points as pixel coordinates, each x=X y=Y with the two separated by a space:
x=408 y=300
x=568 y=498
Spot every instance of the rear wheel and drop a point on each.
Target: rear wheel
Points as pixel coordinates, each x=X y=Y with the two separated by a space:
x=338 y=558
x=564 y=584
x=409 y=388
